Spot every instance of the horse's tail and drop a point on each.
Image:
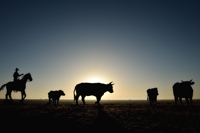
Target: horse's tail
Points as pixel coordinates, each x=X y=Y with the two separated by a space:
x=2 y=87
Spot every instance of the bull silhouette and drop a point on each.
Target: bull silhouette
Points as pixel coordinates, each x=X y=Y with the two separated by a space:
x=95 y=89
x=183 y=90
x=152 y=96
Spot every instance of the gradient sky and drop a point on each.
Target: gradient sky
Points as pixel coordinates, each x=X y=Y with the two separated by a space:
x=137 y=44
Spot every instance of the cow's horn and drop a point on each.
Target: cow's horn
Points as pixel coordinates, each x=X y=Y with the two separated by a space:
x=191 y=80
x=111 y=83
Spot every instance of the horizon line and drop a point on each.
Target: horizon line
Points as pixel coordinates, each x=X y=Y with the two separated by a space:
x=93 y=99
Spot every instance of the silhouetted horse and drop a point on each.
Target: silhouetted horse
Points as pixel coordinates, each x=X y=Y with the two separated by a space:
x=95 y=89
x=17 y=86
x=183 y=90
x=152 y=96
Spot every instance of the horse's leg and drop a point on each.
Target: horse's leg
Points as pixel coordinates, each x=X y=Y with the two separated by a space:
x=6 y=96
x=23 y=94
x=10 y=96
x=8 y=93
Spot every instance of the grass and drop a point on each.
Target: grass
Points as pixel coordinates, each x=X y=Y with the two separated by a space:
x=113 y=115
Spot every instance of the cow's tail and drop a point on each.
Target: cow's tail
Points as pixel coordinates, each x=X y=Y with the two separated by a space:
x=74 y=94
x=2 y=87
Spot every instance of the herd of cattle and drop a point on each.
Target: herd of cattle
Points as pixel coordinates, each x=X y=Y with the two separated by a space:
x=180 y=90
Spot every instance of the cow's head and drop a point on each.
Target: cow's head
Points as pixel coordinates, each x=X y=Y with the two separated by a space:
x=61 y=93
x=110 y=87
x=188 y=82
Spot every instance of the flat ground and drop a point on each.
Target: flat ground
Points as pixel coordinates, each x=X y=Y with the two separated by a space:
x=122 y=116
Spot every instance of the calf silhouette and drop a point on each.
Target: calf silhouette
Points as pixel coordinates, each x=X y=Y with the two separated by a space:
x=54 y=96
x=152 y=96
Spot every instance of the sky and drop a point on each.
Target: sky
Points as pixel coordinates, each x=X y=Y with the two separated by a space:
x=137 y=44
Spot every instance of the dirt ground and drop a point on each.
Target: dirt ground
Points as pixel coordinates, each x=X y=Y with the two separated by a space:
x=123 y=116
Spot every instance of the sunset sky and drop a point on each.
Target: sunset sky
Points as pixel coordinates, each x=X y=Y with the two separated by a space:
x=137 y=44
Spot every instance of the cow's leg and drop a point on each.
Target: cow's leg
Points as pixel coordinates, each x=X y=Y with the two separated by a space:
x=57 y=101
x=83 y=99
x=187 y=101
x=180 y=99
x=150 y=101
x=54 y=102
x=153 y=102
x=49 y=100
x=98 y=100
x=176 y=99
x=76 y=98
x=191 y=102
x=156 y=100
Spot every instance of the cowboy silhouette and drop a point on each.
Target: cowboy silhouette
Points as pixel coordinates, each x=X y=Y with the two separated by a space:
x=16 y=75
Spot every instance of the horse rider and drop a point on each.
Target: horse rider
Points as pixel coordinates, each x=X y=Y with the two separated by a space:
x=16 y=75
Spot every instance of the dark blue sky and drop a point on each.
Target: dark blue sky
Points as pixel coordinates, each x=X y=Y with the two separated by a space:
x=138 y=44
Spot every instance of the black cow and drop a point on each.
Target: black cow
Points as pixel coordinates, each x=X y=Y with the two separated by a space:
x=54 y=96
x=95 y=89
x=152 y=96
x=183 y=90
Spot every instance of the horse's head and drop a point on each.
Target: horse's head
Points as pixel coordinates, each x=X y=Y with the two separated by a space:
x=28 y=76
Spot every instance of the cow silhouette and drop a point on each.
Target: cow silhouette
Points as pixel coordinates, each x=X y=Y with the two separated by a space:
x=152 y=96
x=95 y=89
x=54 y=96
x=183 y=90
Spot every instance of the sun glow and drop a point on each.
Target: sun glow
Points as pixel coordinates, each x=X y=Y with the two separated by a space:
x=95 y=80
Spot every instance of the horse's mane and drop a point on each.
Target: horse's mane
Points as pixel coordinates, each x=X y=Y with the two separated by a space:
x=25 y=75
